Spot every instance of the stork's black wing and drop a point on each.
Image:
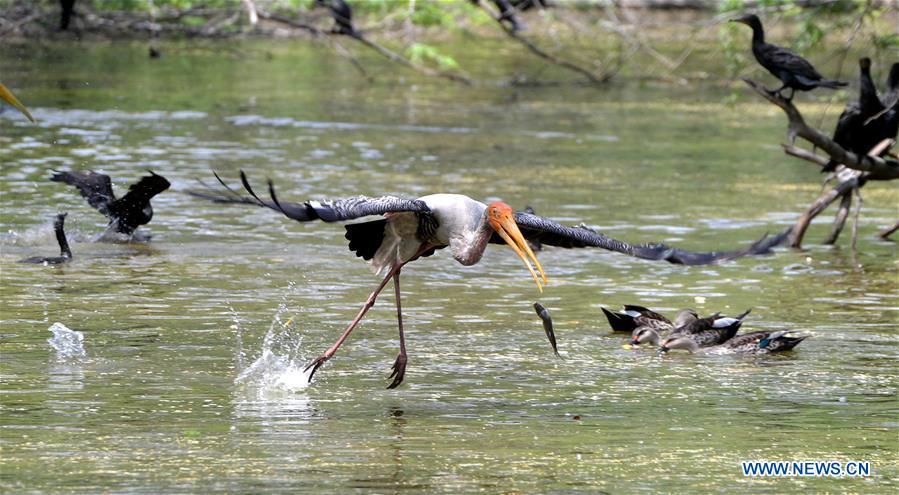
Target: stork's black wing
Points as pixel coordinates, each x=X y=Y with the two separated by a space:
x=333 y=210
x=96 y=188
x=550 y=233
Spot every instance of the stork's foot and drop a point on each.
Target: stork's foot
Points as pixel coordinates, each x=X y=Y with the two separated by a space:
x=315 y=365
x=399 y=371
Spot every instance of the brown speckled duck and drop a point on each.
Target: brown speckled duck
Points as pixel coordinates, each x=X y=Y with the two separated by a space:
x=752 y=343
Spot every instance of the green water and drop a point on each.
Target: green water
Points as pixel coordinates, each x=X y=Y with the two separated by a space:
x=156 y=405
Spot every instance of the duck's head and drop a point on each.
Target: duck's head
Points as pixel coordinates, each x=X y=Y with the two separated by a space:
x=645 y=335
x=685 y=316
x=681 y=342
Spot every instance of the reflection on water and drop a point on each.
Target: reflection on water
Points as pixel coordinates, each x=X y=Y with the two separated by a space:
x=181 y=393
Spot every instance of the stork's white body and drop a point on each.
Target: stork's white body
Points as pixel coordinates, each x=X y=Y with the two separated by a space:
x=461 y=225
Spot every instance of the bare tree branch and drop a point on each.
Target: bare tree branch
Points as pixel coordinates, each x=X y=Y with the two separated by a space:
x=593 y=78
x=820 y=204
x=877 y=168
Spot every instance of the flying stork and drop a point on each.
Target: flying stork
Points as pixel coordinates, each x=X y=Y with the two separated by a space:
x=414 y=228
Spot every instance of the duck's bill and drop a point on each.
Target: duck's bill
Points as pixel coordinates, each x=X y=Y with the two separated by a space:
x=8 y=97
x=512 y=235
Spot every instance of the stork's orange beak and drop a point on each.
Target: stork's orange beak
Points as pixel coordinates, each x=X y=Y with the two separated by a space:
x=500 y=216
x=8 y=97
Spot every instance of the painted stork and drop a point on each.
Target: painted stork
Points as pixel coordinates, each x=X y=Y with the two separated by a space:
x=414 y=228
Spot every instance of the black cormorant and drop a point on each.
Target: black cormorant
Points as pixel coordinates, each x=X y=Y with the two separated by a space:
x=342 y=15
x=793 y=71
x=68 y=8
x=65 y=254
x=890 y=101
x=853 y=132
x=125 y=214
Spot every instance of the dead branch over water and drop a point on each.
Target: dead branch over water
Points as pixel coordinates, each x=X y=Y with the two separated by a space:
x=855 y=170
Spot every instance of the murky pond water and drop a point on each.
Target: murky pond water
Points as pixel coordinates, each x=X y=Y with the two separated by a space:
x=190 y=378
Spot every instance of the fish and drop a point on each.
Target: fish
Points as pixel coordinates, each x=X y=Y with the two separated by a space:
x=543 y=313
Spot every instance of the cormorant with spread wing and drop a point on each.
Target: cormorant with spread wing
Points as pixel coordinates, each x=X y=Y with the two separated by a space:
x=125 y=214
x=414 y=228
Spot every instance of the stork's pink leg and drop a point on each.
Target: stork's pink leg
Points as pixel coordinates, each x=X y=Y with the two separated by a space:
x=399 y=366
x=346 y=333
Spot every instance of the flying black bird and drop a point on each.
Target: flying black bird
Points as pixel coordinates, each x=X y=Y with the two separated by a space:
x=125 y=214
x=65 y=254
x=342 y=15
x=855 y=131
x=793 y=71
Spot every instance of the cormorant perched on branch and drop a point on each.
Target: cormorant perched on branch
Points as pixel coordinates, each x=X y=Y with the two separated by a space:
x=506 y=13
x=793 y=71
x=523 y=5
x=854 y=132
x=342 y=15
x=65 y=254
x=890 y=102
x=68 y=8
x=125 y=214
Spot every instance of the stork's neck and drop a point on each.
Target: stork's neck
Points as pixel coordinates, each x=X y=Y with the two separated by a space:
x=469 y=248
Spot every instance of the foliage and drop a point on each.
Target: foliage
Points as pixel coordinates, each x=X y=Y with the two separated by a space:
x=419 y=53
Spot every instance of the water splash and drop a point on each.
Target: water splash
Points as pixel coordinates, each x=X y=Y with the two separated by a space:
x=68 y=343
x=280 y=365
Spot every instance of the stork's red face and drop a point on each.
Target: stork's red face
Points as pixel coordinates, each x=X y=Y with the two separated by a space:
x=501 y=218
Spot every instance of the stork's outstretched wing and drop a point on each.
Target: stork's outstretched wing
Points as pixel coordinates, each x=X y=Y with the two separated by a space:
x=550 y=233
x=334 y=210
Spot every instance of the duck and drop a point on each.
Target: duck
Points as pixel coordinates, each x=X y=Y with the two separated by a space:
x=752 y=343
x=793 y=71
x=646 y=325
x=634 y=317
x=65 y=254
x=125 y=214
x=709 y=331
